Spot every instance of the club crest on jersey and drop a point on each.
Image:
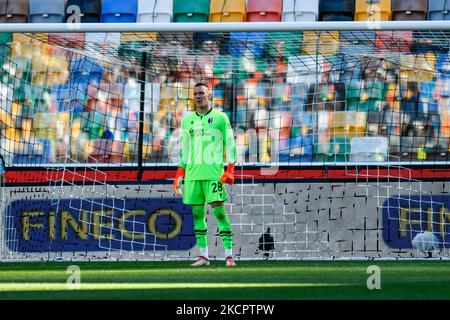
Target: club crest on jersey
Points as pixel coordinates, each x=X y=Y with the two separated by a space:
x=210 y=120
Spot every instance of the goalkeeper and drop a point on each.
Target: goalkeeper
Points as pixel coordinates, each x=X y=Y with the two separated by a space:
x=207 y=137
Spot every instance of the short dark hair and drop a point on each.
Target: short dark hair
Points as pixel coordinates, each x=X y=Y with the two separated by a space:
x=201 y=84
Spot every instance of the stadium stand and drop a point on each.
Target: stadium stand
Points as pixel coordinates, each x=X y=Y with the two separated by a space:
x=399 y=98
x=227 y=11
x=13 y=11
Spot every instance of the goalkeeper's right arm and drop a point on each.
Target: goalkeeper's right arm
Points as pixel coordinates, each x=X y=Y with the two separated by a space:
x=181 y=172
x=177 y=183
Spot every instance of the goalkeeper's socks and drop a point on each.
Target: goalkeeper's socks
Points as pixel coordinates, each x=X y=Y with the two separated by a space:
x=228 y=253
x=200 y=228
x=204 y=252
x=224 y=227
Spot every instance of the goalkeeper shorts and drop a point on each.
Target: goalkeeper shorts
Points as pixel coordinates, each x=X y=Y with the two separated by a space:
x=199 y=192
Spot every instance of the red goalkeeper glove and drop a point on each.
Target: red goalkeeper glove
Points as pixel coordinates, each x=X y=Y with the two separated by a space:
x=177 y=183
x=228 y=176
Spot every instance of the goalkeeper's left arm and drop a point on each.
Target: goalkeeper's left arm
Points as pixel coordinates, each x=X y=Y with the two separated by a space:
x=229 y=147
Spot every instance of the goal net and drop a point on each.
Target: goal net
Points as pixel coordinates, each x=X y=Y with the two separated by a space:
x=336 y=133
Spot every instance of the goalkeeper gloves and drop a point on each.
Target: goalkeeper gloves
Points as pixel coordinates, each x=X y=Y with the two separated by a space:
x=228 y=176
x=177 y=183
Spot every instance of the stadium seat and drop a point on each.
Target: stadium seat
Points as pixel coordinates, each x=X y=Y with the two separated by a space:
x=190 y=11
x=105 y=97
x=427 y=41
x=193 y=66
x=85 y=70
x=227 y=11
x=132 y=95
x=223 y=66
x=13 y=11
x=394 y=41
x=284 y=44
x=101 y=150
x=92 y=97
x=298 y=106
x=34 y=152
x=114 y=11
x=22 y=45
x=210 y=43
x=106 y=151
x=296 y=149
x=299 y=68
x=247 y=43
x=63 y=99
x=417 y=67
x=152 y=97
x=294 y=10
x=5 y=50
x=366 y=96
x=93 y=123
x=264 y=11
x=130 y=44
x=438 y=10
x=348 y=124
x=357 y=43
x=320 y=43
x=373 y=10
x=332 y=10
x=409 y=10
x=155 y=11
x=114 y=96
x=353 y=95
x=106 y=44
x=427 y=104
x=47 y=11
x=90 y=10
x=339 y=149
x=321 y=147
x=67 y=40
x=369 y=149
x=49 y=69
x=22 y=93
x=21 y=68
x=443 y=66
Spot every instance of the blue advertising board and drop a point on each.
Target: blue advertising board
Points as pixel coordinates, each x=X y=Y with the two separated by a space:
x=78 y=225
x=405 y=216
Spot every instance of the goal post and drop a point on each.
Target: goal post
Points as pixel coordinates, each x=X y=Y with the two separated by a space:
x=342 y=132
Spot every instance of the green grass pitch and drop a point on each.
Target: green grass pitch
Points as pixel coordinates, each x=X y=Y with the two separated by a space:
x=279 y=280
